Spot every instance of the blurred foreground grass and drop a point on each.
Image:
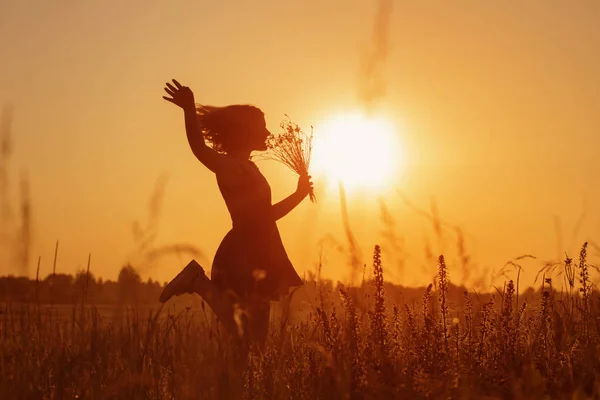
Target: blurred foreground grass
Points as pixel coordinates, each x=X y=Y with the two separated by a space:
x=335 y=343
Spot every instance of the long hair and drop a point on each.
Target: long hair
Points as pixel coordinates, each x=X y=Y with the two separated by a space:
x=224 y=128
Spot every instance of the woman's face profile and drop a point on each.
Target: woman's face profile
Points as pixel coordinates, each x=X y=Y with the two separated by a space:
x=259 y=134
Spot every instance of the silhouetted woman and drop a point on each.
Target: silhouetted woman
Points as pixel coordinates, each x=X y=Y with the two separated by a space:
x=251 y=263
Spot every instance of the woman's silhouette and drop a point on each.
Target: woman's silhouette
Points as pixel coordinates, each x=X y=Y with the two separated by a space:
x=251 y=263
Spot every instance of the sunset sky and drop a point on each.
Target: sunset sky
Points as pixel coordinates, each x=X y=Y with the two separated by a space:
x=495 y=107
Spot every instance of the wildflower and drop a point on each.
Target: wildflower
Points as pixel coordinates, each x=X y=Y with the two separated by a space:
x=291 y=147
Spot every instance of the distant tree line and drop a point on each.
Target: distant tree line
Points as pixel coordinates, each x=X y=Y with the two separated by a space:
x=68 y=289
x=129 y=288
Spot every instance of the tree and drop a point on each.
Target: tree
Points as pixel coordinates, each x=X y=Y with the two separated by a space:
x=129 y=284
x=85 y=283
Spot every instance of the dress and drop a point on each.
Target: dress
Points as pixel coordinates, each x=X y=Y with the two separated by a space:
x=251 y=259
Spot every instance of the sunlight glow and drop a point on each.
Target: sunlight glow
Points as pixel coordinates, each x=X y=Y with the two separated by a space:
x=360 y=151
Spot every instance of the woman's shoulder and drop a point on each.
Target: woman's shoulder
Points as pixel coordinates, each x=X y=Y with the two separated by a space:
x=231 y=169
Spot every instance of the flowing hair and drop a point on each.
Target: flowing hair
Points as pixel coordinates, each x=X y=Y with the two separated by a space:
x=224 y=127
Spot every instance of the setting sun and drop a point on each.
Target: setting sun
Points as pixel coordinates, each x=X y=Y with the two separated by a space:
x=357 y=150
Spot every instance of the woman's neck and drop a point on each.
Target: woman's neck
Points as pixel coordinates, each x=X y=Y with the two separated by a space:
x=240 y=155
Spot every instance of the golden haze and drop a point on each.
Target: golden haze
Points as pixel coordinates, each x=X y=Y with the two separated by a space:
x=497 y=104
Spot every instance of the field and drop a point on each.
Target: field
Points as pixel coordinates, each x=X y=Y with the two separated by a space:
x=331 y=343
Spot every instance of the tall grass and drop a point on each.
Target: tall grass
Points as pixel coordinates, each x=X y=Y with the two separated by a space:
x=15 y=233
x=357 y=343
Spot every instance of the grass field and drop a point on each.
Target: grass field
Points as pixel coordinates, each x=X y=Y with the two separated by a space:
x=356 y=343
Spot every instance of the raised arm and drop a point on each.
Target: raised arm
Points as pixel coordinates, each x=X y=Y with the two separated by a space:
x=183 y=97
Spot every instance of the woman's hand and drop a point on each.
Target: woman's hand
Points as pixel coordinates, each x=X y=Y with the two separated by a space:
x=181 y=96
x=305 y=186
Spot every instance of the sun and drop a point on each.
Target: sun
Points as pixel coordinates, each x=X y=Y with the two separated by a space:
x=356 y=150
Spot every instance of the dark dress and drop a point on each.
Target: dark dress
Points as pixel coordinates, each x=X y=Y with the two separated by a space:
x=251 y=260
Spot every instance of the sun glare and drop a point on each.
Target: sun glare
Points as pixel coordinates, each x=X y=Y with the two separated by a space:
x=359 y=151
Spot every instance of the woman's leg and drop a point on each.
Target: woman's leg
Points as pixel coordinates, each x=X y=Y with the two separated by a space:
x=259 y=312
x=192 y=279
x=227 y=311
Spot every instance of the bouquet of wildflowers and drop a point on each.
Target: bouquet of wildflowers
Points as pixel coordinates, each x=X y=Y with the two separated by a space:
x=291 y=147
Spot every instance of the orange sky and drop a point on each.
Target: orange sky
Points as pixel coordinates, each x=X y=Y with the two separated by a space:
x=496 y=107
